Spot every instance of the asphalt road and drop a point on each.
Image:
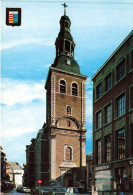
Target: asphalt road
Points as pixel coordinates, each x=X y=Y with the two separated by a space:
x=14 y=192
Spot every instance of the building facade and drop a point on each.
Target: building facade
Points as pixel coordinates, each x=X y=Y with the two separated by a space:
x=5 y=182
x=113 y=121
x=60 y=146
x=89 y=163
x=4 y=177
x=15 y=172
x=29 y=168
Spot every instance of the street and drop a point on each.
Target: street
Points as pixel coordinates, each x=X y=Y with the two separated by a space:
x=15 y=192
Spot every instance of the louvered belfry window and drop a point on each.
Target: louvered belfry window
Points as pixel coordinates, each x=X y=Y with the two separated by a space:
x=62 y=86
x=74 y=89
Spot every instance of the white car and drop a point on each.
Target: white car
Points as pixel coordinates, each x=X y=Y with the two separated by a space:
x=26 y=189
x=76 y=191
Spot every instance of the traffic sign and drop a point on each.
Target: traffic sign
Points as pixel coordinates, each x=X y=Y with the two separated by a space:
x=39 y=181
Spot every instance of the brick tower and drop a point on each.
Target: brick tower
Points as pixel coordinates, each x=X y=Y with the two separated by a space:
x=65 y=118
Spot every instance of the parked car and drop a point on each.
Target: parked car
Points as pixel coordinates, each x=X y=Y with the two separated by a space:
x=44 y=190
x=57 y=191
x=76 y=191
x=26 y=190
x=35 y=189
x=19 y=188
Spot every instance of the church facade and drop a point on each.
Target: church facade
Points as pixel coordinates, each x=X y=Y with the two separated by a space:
x=59 y=150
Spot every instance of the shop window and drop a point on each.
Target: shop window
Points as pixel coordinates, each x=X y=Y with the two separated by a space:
x=74 y=89
x=121 y=70
x=99 y=151
x=108 y=114
x=120 y=172
x=68 y=153
x=99 y=91
x=108 y=82
x=103 y=182
x=108 y=148
x=121 y=145
x=62 y=86
x=98 y=120
x=68 y=110
x=131 y=97
x=120 y=105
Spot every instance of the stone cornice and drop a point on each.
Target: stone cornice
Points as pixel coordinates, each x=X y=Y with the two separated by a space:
x=63 y=71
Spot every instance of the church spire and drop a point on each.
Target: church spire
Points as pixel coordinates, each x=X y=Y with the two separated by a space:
x=65 y=45
x=64 y=42
x=64 y=8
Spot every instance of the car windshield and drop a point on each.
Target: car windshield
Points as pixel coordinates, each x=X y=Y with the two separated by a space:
x=60 y=189
x=47 y=188
x=79 y=190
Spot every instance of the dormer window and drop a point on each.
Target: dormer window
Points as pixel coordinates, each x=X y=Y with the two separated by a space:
x=68 y=61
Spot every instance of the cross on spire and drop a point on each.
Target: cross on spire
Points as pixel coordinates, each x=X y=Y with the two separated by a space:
x=64 y=5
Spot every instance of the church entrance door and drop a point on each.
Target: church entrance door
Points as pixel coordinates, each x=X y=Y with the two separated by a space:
x=68 y=181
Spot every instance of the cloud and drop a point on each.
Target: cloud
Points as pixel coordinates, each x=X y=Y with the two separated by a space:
x=14 y=43
x=18 y=120
x=89 y=83
x=45 y=66
x=23 y=107
x=18 y=92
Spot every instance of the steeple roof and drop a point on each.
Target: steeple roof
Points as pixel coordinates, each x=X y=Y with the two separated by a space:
x=61 y=63
x=65 y=18
x=65 y=45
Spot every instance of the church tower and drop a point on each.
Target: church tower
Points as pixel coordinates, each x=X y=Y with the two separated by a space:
x=65 y=114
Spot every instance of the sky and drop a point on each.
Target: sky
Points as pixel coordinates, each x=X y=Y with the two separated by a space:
x=27 y=51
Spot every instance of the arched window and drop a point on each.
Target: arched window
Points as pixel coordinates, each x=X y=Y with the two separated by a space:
x=62 y=86
x=74 y=89
x=67 y=45
x=68 y=110
x=61 y=45
x=72 y=50
x=67 y=24
x=69 y=153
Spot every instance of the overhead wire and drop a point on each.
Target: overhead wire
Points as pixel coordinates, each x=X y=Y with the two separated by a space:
x=74 y=2
x=57 y=160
